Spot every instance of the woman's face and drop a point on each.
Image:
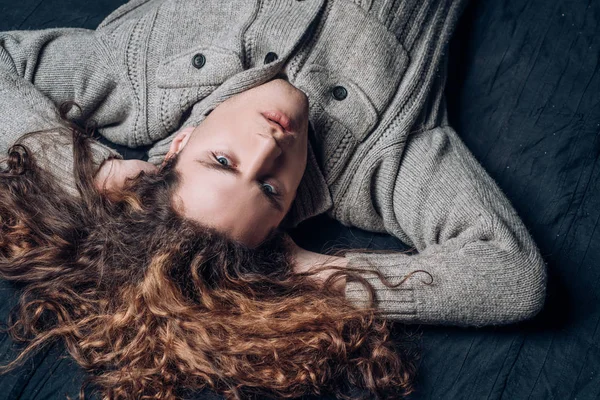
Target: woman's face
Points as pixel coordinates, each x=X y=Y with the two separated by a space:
x=239 y=169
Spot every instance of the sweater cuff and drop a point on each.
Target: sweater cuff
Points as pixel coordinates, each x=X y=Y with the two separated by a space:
x=53 y=152
x=398 y=303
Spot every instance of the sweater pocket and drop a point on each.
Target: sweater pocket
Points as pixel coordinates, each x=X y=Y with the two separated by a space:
x=339 y=123
x=200 y=66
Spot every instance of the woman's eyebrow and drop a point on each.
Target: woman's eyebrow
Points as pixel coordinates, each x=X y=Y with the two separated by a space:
x=276 y=204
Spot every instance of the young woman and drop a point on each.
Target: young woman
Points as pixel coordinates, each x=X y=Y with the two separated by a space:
x=273 y=112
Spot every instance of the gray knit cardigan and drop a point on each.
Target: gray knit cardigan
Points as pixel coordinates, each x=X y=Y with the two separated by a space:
x=382 y=157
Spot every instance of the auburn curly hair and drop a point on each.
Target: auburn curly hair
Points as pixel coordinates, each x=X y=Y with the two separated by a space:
x=153 y=305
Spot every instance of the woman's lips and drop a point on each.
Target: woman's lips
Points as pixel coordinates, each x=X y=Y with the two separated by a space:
x=280 y=119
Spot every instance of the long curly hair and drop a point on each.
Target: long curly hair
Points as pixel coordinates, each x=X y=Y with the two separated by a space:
x=153 y=305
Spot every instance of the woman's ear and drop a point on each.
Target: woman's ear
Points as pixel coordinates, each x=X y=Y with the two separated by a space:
x=179 y=141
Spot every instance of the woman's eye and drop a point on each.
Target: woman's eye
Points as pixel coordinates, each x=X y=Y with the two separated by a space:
x=269 y=189
x=222 y=160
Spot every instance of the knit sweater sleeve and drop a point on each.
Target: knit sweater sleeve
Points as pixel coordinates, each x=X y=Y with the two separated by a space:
x=26 y=110
x=486 y=267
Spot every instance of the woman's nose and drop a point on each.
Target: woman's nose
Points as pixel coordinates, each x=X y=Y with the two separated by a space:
x=267 y=152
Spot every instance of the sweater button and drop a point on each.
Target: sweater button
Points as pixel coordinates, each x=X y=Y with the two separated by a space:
x=339 y=93
x=270 y=57
x=198 y=61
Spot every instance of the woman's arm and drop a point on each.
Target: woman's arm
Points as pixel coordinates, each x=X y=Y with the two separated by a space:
x=436 y=197
x=40 y=69
x=73 y=64
x=23 y=109
x=308 y=261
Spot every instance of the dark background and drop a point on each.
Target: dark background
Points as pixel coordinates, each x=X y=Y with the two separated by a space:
x=524 y=94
